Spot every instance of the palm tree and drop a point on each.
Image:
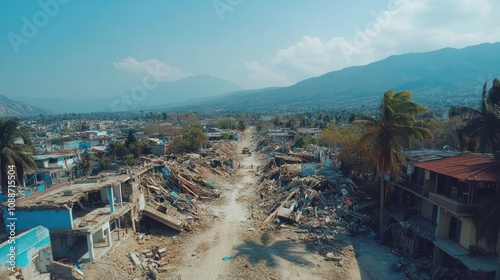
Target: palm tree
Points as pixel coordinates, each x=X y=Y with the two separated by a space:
x=488 y=224
x=389 y=133
x=482 y=131
x=13 y=153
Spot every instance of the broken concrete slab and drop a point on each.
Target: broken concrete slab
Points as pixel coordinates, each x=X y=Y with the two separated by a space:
x=163 y=218
x=135 y=259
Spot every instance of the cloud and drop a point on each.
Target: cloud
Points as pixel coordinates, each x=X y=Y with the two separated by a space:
x=264 y=77
x=155 y=66
x=404 y=26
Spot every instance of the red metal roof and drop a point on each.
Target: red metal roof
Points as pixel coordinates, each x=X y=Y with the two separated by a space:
x=468 y=167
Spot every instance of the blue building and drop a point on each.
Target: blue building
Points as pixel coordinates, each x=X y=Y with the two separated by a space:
x=31 y=254
x=84 y=216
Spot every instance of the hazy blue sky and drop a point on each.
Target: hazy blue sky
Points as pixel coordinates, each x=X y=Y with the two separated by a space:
x=93 y=48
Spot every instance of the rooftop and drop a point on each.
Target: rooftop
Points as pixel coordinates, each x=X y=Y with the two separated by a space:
x=421 y=155
x=467 y=167
x=63 y=196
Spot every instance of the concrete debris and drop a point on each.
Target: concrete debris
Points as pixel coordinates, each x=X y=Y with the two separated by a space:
x=153 y=260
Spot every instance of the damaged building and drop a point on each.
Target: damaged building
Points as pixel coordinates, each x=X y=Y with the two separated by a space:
x=439 y=194
x=85 y=217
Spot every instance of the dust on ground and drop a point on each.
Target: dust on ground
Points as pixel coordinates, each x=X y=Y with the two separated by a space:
x=232 y=243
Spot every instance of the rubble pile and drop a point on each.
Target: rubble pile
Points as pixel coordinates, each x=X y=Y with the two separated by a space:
x=328 y=202
x=151 y=261
x=179 y=182
x=268 y=145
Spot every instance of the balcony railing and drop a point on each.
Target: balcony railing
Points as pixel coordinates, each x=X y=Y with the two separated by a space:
x=454 y=206
x=412 y=187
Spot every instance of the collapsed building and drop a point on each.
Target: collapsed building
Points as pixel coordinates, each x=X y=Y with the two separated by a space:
x=84 y=213
x=80 y=221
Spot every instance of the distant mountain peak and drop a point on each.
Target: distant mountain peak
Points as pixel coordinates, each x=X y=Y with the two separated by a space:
x=11 y=108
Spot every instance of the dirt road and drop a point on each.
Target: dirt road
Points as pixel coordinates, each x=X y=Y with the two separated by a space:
x=204 y=257
x=237 y=245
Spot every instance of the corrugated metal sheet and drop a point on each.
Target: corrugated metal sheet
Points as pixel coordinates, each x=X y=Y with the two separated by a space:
x=468 y=167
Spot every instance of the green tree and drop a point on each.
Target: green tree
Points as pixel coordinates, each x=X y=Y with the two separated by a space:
x=190 y=139
x=389 y=133
x=242 y=125
x=444 y=132
x=84 y=162
x=302 y=142
x=105 y=162
x=129 y=160
x=482 y=130
x=14 y=153
x=226 y=123
x=292 y=123
x=488 y=224
x=306 y=122
x=118 y=150
x=130 y=138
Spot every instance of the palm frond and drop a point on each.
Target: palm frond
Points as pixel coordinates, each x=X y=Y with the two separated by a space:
x=464 y=112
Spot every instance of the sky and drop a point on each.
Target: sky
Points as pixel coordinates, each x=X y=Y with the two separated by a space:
x=85 y=49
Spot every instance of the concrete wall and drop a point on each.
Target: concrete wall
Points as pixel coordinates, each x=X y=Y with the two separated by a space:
x=53 y=219
x=443 y=228
x=467 y=233
x=98 y=236
x=63 y=271
x=427 y=208
x=104 y=194
x=117 y=193
x=33 y=252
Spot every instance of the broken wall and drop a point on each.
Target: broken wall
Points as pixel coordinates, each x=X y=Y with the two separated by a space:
x=63 y=271
x=61 y=244
x=33 y=252
x=53 y=219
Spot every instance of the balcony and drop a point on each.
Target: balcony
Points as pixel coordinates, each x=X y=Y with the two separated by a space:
x=454 y=206
x=411 y=187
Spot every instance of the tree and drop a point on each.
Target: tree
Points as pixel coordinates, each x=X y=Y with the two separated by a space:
x=242 y=125
x=190 y=139
x=488 y=224
x=130 y=138
x=14 y=153
x=130 y=160
x=84 y=163
x=302 y=142
x=353 y=158
x=292 y=123
x=444 y=132
x=389 y=133
x=226 y=123
x=482 y=133
x=482 y=130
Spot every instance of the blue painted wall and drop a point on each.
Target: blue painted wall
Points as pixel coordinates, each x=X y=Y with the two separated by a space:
x=49 y=218
x=27 y=244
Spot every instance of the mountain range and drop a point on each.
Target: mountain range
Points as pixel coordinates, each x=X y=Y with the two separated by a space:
x=9 y=107
x=166 y=93
x=444 y=77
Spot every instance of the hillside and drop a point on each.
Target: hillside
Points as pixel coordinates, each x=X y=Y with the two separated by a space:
x=438 y=79
x=11 y=108
x=169 y=94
